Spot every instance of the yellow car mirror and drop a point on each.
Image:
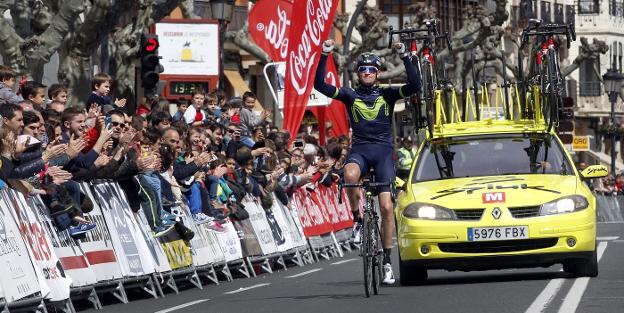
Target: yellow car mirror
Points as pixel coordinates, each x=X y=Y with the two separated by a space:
x=594 y=171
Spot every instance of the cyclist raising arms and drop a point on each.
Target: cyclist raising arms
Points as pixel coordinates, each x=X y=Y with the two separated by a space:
x=370 y=111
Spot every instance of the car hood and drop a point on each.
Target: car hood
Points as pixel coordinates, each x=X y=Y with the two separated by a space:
x=509 y=190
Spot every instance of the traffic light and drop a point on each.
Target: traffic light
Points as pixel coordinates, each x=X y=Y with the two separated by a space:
x=150 y=63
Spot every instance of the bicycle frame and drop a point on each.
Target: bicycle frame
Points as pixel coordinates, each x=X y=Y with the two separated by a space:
x=425 y=61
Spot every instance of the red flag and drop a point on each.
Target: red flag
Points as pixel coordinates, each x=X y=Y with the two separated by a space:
x=269 y=23
x=307 y=32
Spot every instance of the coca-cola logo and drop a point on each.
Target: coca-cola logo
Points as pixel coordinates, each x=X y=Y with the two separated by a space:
x=275 y=33
x=302 y=56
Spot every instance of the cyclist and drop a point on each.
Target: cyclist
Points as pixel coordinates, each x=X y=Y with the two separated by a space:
x=370 y=109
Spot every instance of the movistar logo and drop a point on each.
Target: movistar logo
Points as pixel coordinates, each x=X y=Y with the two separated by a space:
x=366 y=112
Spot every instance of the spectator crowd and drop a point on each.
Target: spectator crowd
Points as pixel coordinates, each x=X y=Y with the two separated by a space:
x=210 y=154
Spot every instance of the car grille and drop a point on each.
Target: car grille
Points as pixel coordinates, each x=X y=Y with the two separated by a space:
x=469 y=214
x=524 y=212
x=498 y=246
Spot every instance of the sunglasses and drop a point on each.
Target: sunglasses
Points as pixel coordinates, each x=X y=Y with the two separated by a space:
x=115 y=124
x=367 y=69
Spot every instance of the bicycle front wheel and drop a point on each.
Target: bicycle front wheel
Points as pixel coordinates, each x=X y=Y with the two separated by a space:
x=377 y=251
x=366 y=255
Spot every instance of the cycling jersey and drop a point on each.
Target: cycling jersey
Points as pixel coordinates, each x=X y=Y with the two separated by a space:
x=369 y=109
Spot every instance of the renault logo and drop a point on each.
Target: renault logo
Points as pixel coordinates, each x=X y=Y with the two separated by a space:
x=496 y=213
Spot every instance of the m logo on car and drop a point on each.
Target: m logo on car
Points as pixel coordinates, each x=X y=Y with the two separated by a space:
x=493 y=197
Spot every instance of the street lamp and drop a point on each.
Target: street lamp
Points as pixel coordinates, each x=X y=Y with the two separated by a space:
x=222 y=11
x=613 y=83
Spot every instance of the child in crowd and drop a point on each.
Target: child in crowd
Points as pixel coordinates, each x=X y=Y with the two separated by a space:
x=7 y=83
x=193 y=116
x=101 y=86
x=249 y=120
x=35 y=93
x=182 y=105
x=58 y=93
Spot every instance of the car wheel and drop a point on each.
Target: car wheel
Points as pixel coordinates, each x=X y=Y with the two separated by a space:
x=411 y=275
x=583 y=268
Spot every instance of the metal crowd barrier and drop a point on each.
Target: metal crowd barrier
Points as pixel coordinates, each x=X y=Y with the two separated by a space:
x=47 y=267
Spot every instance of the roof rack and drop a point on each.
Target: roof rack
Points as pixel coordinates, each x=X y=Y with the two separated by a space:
x=481 y=117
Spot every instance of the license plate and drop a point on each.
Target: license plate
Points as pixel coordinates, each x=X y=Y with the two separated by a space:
x=498 y=233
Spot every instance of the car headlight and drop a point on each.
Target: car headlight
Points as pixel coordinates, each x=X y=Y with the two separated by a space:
x=564 y=205
x=428 y=211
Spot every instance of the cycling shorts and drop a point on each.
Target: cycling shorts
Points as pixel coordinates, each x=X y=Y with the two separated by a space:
x=379 y=157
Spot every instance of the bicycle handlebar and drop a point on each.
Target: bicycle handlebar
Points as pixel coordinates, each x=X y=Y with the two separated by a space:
x=366 y=184
x=432 y=35
x=535 y=28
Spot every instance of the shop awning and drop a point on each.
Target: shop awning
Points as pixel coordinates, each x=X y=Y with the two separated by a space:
x=240 y=86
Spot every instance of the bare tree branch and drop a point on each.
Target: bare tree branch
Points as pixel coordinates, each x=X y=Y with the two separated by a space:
x=53 y=37
x=587 y=52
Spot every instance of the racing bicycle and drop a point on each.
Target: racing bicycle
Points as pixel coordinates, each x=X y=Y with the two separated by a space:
x=544 y=81
x=425 y=62
x=371 y=248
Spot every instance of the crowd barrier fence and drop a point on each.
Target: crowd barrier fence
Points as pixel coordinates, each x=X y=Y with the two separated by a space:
x=610 y=208
x=41 y=266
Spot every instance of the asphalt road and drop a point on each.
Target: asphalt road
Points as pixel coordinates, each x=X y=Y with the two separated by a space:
x=336 y=286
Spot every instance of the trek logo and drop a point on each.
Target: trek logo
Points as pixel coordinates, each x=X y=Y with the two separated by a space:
x=493 y=197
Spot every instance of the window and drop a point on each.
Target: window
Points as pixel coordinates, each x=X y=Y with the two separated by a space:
x=616 y=8
x=589 y=83
x=546 y=14
x=491 y=155
x=589 y=6
x=620 y=56
x=394 y=6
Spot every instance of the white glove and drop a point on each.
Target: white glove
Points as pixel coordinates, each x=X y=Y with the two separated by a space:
x=328 y=46
x=399 y=47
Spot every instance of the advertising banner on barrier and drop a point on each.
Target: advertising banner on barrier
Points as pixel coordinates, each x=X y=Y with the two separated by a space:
x=204 y=245
x=161 y=263
x=123 y=229
x=267 y=237
x=341 y=217
x=230 y=243
x=19 y=278
x=72 y=259
x=286 y=229
x=311 y=215
x=249 y=241
x=40 y=246
x=97 y=245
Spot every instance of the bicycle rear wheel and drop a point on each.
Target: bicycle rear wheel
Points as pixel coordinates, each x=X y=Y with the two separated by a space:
x=366 y=255
x=428 y=95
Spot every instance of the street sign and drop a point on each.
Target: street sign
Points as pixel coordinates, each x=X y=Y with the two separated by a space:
x=580 y=143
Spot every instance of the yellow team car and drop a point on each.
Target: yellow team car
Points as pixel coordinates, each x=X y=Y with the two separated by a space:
x=492 y=195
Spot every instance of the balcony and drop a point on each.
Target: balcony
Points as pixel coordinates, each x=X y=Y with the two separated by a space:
x=239 y=16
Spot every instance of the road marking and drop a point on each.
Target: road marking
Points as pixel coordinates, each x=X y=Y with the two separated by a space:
x=618 y=241
x=344 y=261
x=246 y=288
x=573 y=298
x=182 y=306
x=607 y=238
x=544 y=298
x=305 y=273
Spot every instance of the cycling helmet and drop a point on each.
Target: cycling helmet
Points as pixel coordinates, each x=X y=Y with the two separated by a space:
x=368 y=59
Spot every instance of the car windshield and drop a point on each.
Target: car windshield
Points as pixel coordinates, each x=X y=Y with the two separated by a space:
x=487 y=156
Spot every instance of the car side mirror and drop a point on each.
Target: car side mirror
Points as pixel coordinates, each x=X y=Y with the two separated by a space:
x=594 y=171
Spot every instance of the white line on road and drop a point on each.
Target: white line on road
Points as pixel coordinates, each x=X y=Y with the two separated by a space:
x=305 y=273
x=246 y=288
x=544 y=298
x=182 y=306
x=344 y=261
x=607 y=238
x=573 y=298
